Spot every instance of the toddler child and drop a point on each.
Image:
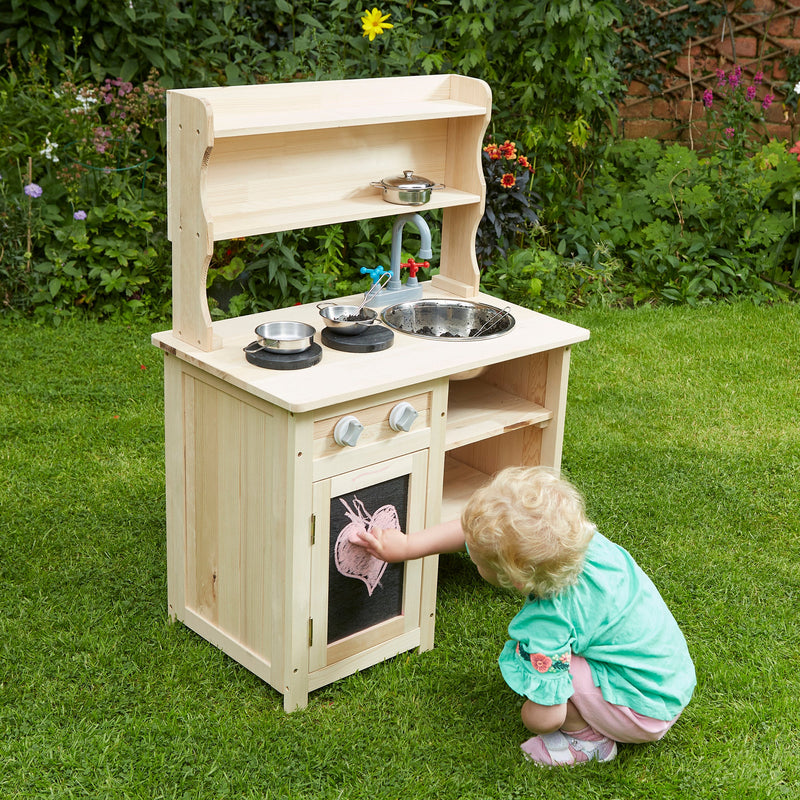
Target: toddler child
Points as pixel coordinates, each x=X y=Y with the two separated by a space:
x=594 y=649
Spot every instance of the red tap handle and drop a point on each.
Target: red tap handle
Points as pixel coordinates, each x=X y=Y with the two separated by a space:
x=413 y=266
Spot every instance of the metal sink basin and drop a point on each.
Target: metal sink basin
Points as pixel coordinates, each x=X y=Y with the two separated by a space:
x=448 y=320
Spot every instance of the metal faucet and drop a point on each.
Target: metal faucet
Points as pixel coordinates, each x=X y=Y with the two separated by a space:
x=397 y=244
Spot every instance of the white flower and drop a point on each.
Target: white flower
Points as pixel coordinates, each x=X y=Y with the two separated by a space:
x=797 y=88
x=85 y=98
x=49 y=147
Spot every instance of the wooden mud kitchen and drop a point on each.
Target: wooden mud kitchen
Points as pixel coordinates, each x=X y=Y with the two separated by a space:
x=273 y=454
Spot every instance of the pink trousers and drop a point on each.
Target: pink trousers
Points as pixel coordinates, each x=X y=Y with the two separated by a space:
x=617 y=722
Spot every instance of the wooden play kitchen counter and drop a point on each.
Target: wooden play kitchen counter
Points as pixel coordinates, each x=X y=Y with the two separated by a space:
x=262 y=488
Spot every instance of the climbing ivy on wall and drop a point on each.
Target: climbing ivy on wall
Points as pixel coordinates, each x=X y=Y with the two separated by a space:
x=654 y=34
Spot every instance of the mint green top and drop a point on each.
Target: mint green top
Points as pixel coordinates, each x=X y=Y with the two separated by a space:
x=615 y=618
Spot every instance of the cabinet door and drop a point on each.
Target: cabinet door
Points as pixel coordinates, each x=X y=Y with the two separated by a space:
x=362 y=609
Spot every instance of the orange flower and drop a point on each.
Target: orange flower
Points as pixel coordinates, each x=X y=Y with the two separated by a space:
x=795 y=149
x=523 y=162
x=509 y=150
x=508 y=180
x=493 y=150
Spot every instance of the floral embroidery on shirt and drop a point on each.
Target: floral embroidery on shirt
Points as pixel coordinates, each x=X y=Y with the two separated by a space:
x=542 y=663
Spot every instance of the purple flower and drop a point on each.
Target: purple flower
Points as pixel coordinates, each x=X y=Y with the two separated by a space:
x=758 y=77
x=708 y=98
x=750 y=93
x=767 y=101
x=79 y=215
x=33 y=190
x=735 y=78
x=729 y=132
x=720 y=77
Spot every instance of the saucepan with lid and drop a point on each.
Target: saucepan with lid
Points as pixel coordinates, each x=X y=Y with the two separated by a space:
x=407 y=189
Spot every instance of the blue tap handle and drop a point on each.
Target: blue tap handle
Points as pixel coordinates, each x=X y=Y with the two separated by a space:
x=375 y=274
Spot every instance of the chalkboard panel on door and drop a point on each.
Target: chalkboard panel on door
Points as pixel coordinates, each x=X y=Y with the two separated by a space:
x=359 y=602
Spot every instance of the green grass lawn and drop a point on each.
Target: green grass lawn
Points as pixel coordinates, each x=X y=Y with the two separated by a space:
x=683 y=432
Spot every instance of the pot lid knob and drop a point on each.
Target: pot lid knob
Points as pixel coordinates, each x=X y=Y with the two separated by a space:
x=408 y=182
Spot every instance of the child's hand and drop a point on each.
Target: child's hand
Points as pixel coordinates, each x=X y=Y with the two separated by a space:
x=388 y=544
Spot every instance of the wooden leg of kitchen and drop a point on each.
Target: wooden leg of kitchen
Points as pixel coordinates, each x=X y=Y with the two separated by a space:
x=556 y=401
x=427 y=622
x=175 y=482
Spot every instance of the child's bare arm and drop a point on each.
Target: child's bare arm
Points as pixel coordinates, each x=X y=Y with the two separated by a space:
x=393 y=545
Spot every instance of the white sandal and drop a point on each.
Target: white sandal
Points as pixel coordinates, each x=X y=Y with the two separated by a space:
x=558 y=749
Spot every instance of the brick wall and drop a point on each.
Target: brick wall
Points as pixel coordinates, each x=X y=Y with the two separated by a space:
x=758 y=40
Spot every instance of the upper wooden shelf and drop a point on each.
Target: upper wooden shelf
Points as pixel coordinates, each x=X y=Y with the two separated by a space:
x=265 y=109
x=239 y=123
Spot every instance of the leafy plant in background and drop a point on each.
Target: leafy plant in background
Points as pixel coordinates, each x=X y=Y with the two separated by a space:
x=617 y=224
x=688 y=228
x=663 y=28
x=552 y=70
x=24 y=214
x=201 y=41
x=98 y=263
x=511 y=203
x=301 y=266
x=90 y=237
x=735 y=112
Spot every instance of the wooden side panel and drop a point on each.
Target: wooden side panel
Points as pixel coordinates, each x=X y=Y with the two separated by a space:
x=459 y=272
x=232 y=518
x=190 y=137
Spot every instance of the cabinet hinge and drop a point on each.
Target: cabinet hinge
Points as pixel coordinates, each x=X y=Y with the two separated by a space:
x=313 y=529
x=310 y=632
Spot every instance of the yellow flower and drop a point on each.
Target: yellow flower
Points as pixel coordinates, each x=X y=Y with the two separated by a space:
x=374 y=23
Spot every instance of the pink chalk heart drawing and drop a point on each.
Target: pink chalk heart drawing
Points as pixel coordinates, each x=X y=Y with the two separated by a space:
x=353 y=561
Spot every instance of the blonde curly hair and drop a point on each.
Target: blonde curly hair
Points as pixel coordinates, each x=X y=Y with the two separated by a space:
x=529 y=526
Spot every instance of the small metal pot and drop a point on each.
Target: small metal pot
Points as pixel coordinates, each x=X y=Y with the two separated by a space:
x=349 y=320
x=283 y=337
x=407 y=189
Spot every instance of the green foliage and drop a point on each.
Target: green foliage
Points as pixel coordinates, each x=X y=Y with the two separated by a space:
x=550 y=66
x=689 y=229
x=619 y=224
x=511 y=203
x=544 y=280
x=662 y=28
x=735 y=114
x=92 y=238
x=102 y=264
x=205 y=41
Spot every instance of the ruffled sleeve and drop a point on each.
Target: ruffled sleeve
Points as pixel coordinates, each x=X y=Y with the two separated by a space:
x=535 y=662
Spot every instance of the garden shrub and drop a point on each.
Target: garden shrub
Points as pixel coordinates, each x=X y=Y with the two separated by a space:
x=689 y=227
x=82 y=195
x=586 y=220
x=197 y=43
x=511 y=204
